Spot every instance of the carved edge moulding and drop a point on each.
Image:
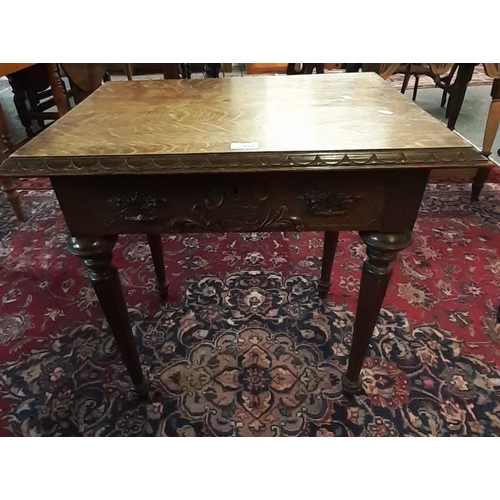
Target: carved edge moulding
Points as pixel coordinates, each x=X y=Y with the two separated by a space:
x=17 y=166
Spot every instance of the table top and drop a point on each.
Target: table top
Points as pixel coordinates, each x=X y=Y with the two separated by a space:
x=342 y=121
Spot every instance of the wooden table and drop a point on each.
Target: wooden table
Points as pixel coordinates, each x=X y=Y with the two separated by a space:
x=330 y=153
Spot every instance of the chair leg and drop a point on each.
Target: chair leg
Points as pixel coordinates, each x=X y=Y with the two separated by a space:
x=5 y=134
x=129 y=71
x=443 y=99
x=9 y=187
x=185 y=71
x=415 y=89
x=329 y=247
x=308 y=68
x=156 y=248
x=457 y=93
x=22 y=110
x=353 y=67
x=58 y=89
x=406 y=80
x=493 y=119
x=7 y=184
x=212 y=70
x=171 y=71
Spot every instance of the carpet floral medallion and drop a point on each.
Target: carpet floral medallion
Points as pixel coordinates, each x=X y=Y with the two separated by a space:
x=244 y=347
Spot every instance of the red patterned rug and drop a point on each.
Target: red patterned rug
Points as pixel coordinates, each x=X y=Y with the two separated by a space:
x=244 y=347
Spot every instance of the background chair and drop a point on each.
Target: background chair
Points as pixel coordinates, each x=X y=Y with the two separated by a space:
x=7 y=184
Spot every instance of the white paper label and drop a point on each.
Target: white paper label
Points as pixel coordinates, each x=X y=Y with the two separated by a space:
x=385 y=111
x=244 y=145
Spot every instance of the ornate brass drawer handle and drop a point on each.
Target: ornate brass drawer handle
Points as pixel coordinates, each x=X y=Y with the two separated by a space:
x=328 y=203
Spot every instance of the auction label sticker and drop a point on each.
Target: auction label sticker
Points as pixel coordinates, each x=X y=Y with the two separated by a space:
x=244 y=145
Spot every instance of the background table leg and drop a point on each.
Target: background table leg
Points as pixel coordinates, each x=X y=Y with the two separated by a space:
x=97 y=255
x=382 y=250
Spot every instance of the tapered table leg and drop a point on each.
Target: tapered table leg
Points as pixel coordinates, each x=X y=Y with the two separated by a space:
x=97 y=255
x=478 y=182
x=156 y=248
x=381 y=250
x=329 y=247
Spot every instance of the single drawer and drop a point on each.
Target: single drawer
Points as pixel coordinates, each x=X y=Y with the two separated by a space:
x=285 y=201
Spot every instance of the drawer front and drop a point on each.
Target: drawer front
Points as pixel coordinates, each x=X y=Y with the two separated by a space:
x=221 y=202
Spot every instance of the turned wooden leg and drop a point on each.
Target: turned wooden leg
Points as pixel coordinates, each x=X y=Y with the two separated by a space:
x=457 y=93
x=156 y=248
x=9 y=187
x=57 y=89
x=329 y=247
x=381 y=250
x=97 y=255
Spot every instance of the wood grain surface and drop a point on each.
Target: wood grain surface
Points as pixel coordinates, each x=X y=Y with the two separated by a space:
x=192 y=120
